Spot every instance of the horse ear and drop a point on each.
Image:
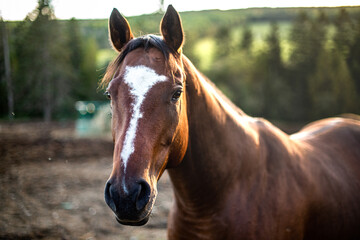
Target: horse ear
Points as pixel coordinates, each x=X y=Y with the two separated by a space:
x=172 y=30
x=119 y=30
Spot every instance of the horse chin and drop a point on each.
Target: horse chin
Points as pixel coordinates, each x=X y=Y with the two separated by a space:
x=133 y=223
x=142 y=220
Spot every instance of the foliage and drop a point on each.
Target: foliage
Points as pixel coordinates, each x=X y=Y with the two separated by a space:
x=319 y=79
x=332 y=89
x=39 y=73
x=52 y=65
x=295 y=64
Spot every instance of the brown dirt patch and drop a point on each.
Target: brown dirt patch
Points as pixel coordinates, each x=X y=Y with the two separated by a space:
x=51 y=187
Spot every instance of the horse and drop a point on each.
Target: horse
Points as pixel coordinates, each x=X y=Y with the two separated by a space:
x=233 y=176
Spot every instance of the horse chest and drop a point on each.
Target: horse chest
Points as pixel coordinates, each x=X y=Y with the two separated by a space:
x=238 y=218
x=241 y=229
x=181 y=227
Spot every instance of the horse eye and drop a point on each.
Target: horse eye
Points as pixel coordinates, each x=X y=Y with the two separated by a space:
x=175 y=97
x=107 y=94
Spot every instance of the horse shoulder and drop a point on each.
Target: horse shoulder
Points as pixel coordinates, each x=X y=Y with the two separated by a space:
x=270 y=202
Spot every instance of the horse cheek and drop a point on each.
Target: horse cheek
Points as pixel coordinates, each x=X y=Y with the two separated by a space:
x=179 y=145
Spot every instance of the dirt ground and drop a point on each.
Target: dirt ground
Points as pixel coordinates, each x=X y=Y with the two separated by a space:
x=52 y=182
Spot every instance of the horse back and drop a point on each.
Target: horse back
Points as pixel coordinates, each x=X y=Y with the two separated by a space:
x=335 y=138
x=332 y=149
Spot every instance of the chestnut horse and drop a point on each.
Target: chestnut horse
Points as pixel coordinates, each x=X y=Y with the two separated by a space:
x=234 y=176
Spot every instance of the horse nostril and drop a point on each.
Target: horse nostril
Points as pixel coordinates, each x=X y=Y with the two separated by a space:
x=108 y=196
x=142 y=195
x=127 y=205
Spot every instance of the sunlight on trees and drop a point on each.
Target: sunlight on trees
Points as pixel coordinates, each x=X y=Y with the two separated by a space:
x=281 y=64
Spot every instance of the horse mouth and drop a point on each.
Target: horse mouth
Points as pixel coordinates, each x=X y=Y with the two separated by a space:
x=132 y=222
x=136 y=221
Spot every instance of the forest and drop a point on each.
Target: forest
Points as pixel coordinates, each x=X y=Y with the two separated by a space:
x=285 y=64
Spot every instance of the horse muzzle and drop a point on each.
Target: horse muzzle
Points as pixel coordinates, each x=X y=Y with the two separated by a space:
x=133 y=205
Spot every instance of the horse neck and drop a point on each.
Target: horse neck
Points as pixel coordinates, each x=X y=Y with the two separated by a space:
x=220 y=141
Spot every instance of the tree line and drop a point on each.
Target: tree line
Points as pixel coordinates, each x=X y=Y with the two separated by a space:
x=52 y=66
x=54 y=63
x=320 y=78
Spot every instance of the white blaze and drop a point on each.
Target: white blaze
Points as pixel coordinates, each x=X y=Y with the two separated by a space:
x=140 y=80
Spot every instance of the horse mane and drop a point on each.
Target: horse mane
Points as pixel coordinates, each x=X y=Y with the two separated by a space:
x=146 y=42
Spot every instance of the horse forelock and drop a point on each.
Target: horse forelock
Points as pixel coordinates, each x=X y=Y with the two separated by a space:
x=146 y=42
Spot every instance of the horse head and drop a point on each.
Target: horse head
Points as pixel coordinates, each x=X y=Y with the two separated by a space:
x=146 y=85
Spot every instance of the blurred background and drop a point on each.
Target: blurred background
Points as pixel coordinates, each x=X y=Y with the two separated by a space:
x=291 y=64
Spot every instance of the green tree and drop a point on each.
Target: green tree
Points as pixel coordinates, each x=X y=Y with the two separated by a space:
x=89 y=75
x=233 y=76
x=75 y=44
x=82 y=51
x=276 y=90
x=268 y=79
x=354 y=60
x=331 y=87
x=308 y=38
x=345 y=32
x=247 y=39
x=43 y=34
x=347 y=47
x=42 y=65
x=5 y=65
x=223 y=41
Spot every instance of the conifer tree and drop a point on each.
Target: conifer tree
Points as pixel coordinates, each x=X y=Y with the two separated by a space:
x=5 y=63
x=344 y=35
x=276 y=90
x=89 y=75
x=354 y=60
x=332 y=89
x=223 y=41
x=42 y=64
x=308 y=39
x=247 y=39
